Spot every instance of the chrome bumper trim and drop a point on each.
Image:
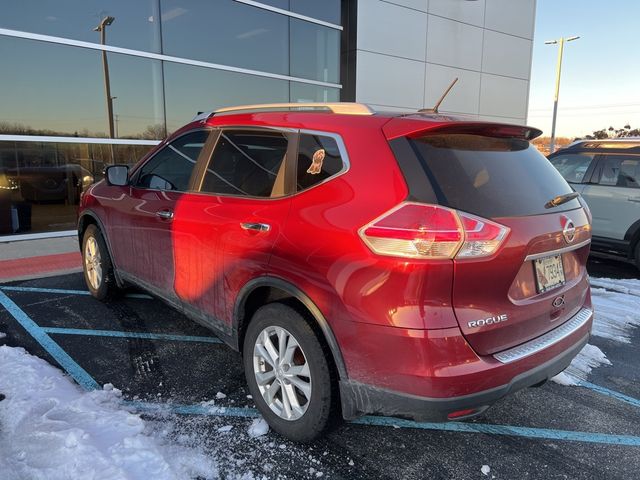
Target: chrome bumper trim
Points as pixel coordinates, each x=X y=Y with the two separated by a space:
x=559 y=251
x=544 y=341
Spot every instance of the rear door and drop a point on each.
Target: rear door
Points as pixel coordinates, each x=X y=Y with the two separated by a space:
x=233 y=219
x=508 y=298
x=614 y=195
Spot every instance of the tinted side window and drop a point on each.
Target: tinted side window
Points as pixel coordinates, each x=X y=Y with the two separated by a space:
x=573 y=166
x=171 y=167
x=247 y=163
x=620 y=171
x=318 y=159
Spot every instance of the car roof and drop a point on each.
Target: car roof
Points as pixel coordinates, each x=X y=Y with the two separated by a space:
x=611 y=145
x=335 y=117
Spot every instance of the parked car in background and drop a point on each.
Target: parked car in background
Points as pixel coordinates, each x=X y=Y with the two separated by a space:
x=607 y=175
x=52 y=183
x=415 y=265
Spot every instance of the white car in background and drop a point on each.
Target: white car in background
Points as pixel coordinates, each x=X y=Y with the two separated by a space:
x=607 y=175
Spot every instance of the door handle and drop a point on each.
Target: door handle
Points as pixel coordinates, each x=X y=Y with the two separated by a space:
x=259 y=227
x=165 y=214
x=634 y=199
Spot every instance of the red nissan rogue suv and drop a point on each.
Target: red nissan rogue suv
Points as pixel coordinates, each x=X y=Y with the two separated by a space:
x=417 y=265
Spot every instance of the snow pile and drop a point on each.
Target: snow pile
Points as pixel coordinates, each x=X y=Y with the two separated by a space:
x=50 y=429
x=617 y=313
x=589 y=358
x=258 y=428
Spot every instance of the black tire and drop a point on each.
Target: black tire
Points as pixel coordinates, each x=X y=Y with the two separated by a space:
x=637 y=254
x=106 y=287
x=319 y=410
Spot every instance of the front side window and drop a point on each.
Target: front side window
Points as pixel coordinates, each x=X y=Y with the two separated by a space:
x=171 y=167
x=248 y=163
x=573 y=166
x=620 y=171
x=318 y=159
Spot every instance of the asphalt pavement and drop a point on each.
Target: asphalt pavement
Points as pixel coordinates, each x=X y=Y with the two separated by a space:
x=175 y=370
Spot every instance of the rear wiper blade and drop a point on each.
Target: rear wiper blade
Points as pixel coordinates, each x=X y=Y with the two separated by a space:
x=560 y=199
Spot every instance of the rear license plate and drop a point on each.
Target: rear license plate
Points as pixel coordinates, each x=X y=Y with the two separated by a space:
x=549 y=272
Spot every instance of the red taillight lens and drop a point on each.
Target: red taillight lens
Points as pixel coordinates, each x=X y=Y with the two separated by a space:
x=482 y=237
x=421 y=231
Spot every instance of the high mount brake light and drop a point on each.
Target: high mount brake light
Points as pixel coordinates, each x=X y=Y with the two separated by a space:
x=415 y=230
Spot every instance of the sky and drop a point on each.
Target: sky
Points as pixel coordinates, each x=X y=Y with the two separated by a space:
x=600 y=84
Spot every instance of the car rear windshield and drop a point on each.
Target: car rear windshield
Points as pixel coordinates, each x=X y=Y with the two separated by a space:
x=491 y=177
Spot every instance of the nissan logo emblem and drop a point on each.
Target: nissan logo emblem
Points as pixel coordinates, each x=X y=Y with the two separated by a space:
x=558 y=301
x=569 y=231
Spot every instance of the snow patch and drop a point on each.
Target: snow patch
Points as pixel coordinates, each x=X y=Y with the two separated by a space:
x=258 y=428
x=485 y=469
x=51 y=429
x=617 y=314
x=2 y=335
x=589 y=358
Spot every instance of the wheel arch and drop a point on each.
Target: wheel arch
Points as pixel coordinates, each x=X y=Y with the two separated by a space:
x=262 y=290
x=89 y=217
x=633 y=237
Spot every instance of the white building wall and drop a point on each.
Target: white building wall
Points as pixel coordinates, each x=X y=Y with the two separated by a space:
x=408 y=51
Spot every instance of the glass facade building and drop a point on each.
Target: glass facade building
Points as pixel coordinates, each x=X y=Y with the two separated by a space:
x=86 y=83
x=90 y=82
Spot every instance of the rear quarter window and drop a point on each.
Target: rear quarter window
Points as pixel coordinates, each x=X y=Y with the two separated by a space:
x=319 y=159
x=490 y=177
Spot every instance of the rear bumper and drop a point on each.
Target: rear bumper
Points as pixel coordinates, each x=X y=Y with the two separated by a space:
x=360 y=398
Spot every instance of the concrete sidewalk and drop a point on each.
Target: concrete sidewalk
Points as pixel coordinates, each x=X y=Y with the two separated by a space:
x=45 y=257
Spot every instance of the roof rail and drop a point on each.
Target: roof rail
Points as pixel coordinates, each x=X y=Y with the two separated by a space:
x=346 y=108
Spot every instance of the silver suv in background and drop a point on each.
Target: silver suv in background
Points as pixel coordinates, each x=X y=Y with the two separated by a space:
x=607 y=174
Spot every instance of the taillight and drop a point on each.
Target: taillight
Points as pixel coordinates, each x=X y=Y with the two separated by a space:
x=415 y=230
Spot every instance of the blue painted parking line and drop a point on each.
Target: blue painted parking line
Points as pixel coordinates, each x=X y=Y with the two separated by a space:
x=611 y=393
x=120 y=334
x=64 y=291
x=45 y=290
x=509 y=430
x=197 y=409
x=59 y=355
x=488 y=429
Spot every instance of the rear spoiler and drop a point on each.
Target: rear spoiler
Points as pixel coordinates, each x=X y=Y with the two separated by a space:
x=416 y=127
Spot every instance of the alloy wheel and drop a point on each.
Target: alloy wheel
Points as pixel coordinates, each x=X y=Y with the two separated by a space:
x=93 y=262
x=282 y=373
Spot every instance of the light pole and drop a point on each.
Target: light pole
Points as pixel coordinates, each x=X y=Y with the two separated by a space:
x=560 y=42
x=102 y=28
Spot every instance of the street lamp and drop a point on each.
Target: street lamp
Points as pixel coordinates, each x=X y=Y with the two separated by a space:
x=560 y=42
x=102 y=28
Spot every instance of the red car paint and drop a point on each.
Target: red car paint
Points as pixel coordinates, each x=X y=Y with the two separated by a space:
x=400 y=323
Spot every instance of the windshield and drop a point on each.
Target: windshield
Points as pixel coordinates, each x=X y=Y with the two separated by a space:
x=491 y=177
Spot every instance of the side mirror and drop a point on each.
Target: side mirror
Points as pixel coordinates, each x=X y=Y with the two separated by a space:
x=117 y=175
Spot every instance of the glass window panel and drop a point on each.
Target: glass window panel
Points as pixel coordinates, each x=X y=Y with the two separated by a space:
x=171 y=167
x=283 y=4
x=573 y=166
x=327 y=10
x=60 y=91
x=191 y=89
x=620 y=171
x=134 y=24
x=247 y=163
x=40 y=183
x=315 y=51
x=303 y=92
x=226 y=32
x=318 y=159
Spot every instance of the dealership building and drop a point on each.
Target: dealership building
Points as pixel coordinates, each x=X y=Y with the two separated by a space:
x=86 y=83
